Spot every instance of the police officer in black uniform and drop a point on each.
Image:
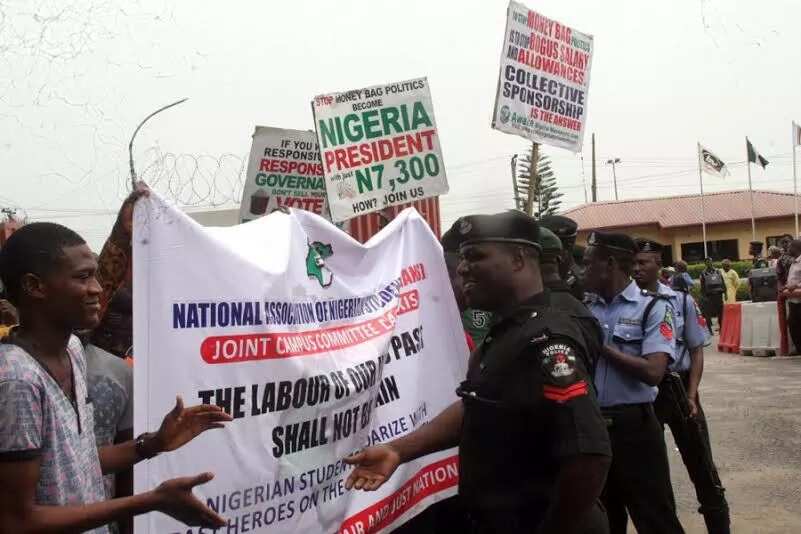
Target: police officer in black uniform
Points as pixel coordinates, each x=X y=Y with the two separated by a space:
x=533 y=446
x=566 y=230
x=562 y=298
x=551 y=260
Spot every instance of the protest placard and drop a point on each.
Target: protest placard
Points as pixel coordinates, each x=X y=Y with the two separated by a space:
x=379 y=146
x=543 y=80
x=315 y=344
x=284 y=170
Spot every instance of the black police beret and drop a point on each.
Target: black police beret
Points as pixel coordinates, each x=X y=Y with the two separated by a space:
x=647 y=245
x=578 y=253
x=452 y=239
x=619 y=242
x=549 y=241
x=508 y=227
x=563 y=227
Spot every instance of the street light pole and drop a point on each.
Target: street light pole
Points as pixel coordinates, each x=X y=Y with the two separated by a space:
x=612 y=162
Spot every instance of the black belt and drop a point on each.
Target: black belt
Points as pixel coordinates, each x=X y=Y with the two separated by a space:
x=623 y=408
x=611 y=413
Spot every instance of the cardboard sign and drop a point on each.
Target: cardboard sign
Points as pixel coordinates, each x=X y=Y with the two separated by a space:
x=379 y=147
x=543 y=81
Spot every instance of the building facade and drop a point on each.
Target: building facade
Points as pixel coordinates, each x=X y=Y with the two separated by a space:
x=676 y=222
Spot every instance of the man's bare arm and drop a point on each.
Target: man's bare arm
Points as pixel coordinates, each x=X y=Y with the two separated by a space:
x=441 y=433
x=375 y=465
x=19 y=513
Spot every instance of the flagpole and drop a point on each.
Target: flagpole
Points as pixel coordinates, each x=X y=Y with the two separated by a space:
x=703 y=216
x=795 y=185
x=750 y=191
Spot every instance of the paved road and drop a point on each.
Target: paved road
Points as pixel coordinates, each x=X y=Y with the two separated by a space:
x=754 y=410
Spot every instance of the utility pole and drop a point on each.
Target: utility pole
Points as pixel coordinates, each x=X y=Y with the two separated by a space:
x=612 y=162
x=515 y=189
x=532 y=179
x=594 y=182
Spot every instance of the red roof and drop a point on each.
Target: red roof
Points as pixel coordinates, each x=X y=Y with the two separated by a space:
x=683 y=210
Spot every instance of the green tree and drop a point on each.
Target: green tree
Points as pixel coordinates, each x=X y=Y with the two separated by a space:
x=541 y=186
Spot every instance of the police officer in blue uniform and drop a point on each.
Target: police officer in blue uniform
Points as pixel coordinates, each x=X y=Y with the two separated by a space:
x=637 y=353
x=533 y=446
x=678 y=404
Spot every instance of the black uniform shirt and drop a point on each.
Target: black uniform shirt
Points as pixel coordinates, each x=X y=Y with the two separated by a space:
x=574 y=283
x=592 y=335
x=529 y=403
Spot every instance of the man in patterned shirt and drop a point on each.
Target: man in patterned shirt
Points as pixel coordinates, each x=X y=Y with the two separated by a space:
x=50 y=468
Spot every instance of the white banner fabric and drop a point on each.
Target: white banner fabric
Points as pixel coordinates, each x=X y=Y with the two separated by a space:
x=316 y=344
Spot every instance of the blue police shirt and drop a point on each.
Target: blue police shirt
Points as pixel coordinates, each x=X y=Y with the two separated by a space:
x=621 y=321
x=690 y=327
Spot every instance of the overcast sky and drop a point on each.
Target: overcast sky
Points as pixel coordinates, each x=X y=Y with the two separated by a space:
x=78 y=76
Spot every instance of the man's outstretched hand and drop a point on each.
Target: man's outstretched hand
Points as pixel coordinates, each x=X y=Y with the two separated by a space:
x=182 y=425
x=175 y=498
x=374 y=466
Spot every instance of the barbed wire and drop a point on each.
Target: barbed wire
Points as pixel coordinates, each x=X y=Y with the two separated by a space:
x=194 y=180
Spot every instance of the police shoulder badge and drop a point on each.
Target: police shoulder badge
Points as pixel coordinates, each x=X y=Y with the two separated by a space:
x=562 y=381
x=700 y=316
x=666 y=326
x=465 y=226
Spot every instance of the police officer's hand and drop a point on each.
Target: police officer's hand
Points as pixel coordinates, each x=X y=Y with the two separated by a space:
x=374 y=466
x=693 y=402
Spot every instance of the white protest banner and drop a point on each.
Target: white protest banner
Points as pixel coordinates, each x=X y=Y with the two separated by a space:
x=284 y=170
x=379 y=147
x=543 y=80
x=315 y=344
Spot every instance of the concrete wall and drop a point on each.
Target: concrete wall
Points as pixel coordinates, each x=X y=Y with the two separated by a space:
x=740 y=230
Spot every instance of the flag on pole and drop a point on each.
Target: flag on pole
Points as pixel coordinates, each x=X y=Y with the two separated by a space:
x=712 y=164
x=754 y=156
x=796 y=134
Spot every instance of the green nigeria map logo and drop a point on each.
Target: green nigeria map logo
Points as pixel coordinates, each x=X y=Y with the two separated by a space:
x=315 y=263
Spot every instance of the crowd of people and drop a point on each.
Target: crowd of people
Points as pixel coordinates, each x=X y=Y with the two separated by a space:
x=580 y=357
x=560 y=421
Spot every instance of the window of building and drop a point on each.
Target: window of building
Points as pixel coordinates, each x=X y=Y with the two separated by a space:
x=775 y=240
x=717 y=250
x=667 y=255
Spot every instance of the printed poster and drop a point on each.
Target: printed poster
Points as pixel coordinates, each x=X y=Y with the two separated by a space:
x=379 y=147
x=543 y=80
x=284 y=171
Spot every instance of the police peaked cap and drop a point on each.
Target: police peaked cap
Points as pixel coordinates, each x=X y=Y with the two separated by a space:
x=611 y=241
x=648 y=245
x=550 y=242
x=508 y=227
x=563 y=227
